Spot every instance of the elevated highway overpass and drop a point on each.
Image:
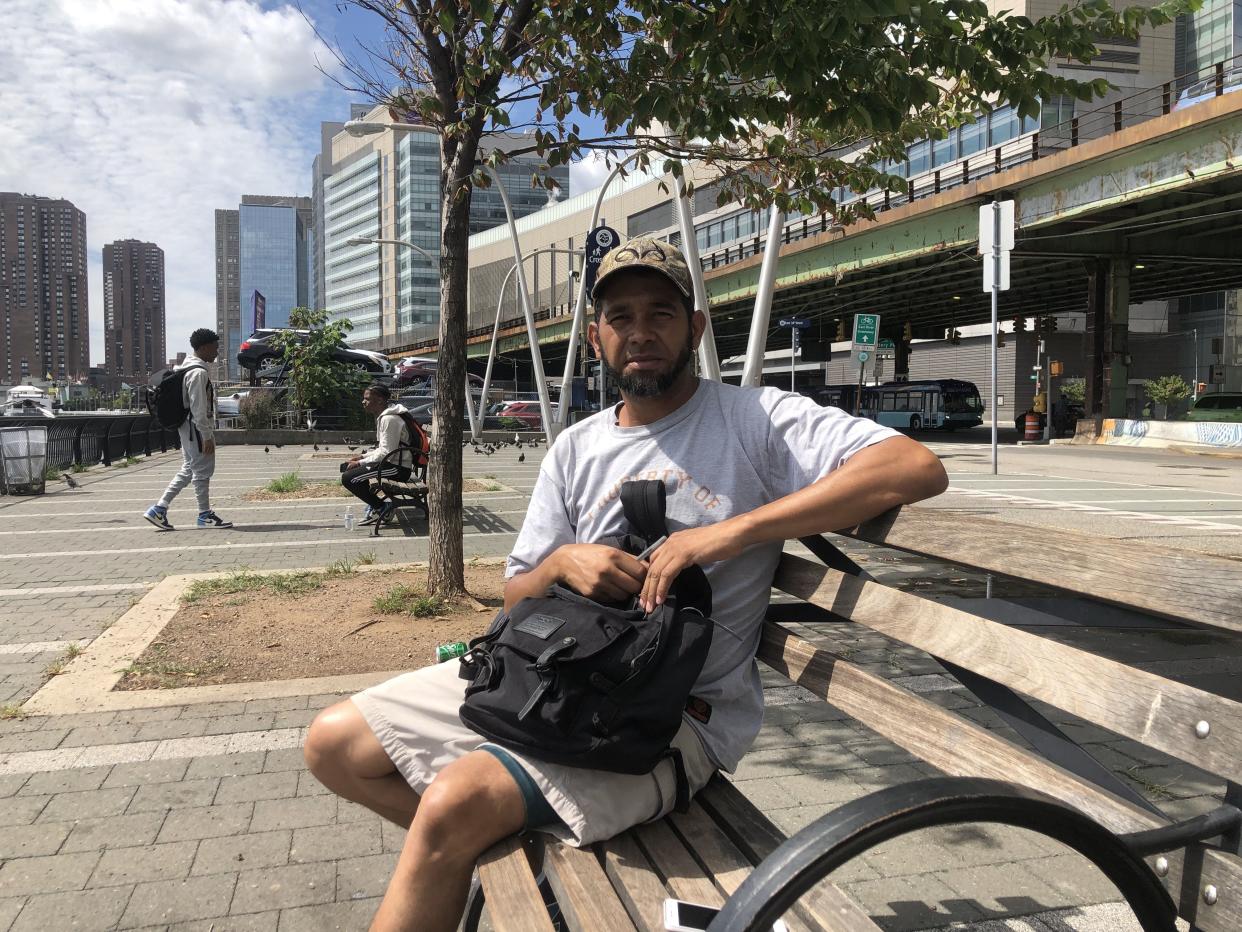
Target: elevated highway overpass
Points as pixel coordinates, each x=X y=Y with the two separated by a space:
x=1132 y=202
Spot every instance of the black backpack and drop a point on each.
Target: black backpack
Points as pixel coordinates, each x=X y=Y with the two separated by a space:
x=566 y=679
x=164 y=397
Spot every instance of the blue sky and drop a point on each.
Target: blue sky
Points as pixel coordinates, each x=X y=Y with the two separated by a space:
x=150 y=114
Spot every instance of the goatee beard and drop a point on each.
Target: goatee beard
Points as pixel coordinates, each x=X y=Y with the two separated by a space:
x=651 y=385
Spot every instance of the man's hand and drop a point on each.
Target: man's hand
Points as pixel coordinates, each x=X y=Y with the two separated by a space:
x=700 y=545
x=599 y=572
x=354 y=461
x=209 y=448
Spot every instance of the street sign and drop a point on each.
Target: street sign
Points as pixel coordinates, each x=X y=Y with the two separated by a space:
x=987 y=223
x=866 y=329
x=797 y=322
x=886 y=349
x=1216 y=374
x=989 y=264
x=600 y=242
x=863 y=355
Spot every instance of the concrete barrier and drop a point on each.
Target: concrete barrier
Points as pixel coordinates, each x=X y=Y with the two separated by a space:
x=1160 y=434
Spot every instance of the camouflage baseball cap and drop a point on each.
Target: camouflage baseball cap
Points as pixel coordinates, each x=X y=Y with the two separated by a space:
x=643 y=252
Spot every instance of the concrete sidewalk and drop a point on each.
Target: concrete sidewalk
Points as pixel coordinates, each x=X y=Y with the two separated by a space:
x=200 y=815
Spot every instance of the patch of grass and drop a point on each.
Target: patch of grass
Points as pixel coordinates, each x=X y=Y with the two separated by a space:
x=165 y=668
x=51 y=472
x=366 y=559
x=121 y=464
x=342 y=567
x=57 y=667
x=492 y=487
x=79 y=467
x=10 y=712
x=288 y=482
x=407 y=600
x=247 y=581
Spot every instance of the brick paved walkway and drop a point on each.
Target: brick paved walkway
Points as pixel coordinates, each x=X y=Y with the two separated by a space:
x=202 y=816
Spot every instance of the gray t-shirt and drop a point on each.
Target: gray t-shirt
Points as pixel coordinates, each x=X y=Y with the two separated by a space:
x=725 y=452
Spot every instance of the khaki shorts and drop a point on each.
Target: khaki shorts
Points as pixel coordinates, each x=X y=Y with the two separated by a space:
x=414 y=716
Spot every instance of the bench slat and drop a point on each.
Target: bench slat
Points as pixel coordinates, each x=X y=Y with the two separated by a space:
x=1150 y=709
x=681 y=872
x=960 y=747
x=509 y=885
x=825 y=906
x=582 y=890
x=1113 y=571
x=636 y=882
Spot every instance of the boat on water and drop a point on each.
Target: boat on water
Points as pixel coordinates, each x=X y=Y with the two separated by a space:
x=27 y=401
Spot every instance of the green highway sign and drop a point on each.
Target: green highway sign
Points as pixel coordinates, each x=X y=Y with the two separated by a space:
x=866 y=329
x=886 y=349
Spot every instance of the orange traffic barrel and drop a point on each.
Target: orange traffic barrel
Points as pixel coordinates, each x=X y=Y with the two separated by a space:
x=1032 y=427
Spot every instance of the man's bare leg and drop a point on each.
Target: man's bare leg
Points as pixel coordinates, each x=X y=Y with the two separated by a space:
x=472 y=804
x=346 y=757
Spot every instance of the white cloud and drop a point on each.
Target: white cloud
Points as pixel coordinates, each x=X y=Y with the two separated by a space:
x=150 y=114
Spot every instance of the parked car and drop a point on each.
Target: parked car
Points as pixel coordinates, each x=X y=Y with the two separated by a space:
x=527 y=412
x=1206 y=89
x=230 y=405
x=1217 y=406
x=258 y=351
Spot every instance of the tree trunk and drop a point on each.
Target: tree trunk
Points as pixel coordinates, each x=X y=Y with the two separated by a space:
x=446 y=574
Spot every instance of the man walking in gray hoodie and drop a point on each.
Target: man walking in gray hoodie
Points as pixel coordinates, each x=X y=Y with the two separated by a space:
x=197 y=433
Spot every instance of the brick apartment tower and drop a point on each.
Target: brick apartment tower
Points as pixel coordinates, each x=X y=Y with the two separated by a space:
x=133 y=282
x=44 y=327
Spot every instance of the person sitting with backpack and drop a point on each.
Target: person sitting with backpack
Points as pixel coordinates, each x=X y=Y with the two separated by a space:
x=184 y=398
x=395 y=429
x=742 y=470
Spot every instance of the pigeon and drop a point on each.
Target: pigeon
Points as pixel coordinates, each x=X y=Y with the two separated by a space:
x=278 y=445
x=517 y=438
x=69 y=480
x=352 y=448
x=266 y=450
x=328 y=449
x=521 y=457
x=316 y=447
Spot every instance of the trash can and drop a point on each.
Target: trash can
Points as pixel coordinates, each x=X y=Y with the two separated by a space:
x=23 y=459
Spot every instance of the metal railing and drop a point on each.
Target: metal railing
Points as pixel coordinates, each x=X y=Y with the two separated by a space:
x=1148 y=104
x=89 y=439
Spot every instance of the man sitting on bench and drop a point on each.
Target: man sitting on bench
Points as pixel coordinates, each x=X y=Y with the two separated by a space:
x=391 y=433
x=745 y=469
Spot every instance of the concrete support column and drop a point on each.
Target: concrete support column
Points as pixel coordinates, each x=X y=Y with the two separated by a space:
x=1095 y=344
x=1118 y=313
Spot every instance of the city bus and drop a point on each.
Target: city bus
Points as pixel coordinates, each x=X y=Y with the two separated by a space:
x=942 y=403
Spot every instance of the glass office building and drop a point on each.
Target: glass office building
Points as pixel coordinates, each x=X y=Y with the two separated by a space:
x=272 y=243
x=352 y=273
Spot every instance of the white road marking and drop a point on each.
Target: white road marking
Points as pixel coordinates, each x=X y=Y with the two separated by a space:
x=67 y=590
x=365 y=540
x=41 y=647
x=145 y=528
x=211 y=745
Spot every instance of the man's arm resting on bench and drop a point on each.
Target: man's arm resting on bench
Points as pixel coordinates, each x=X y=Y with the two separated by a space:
x=897 y=471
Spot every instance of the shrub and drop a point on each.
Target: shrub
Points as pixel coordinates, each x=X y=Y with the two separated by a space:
x=256 y=410
x=1167 y=389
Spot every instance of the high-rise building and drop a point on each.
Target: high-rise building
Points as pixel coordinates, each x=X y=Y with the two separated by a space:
x=273 y=264
x=1211 y=34
x=133 y=290
x=387 y=186
x=228 y=290
x=43 y=307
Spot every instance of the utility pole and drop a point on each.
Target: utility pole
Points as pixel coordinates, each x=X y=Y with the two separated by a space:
x=996 y=222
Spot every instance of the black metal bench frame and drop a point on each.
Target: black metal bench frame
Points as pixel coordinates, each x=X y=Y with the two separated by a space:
x=404 y=493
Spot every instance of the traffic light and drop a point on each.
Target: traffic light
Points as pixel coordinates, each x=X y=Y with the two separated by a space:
x=1000 y=336
x=1019 y=324
x=955 y=338
x=1052 y=324
x=1056 y=367
x=840 y=331
x=907 y=333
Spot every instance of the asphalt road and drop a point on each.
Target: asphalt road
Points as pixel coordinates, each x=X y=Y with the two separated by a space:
x=1174 y=499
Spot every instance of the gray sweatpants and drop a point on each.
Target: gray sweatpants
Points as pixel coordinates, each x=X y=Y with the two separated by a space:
x=197 y=467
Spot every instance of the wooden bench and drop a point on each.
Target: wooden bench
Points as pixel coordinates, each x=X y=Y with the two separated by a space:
x=402 y=493
x=712 y=854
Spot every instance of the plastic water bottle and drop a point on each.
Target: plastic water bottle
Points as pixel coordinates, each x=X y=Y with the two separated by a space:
x=349 y=518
